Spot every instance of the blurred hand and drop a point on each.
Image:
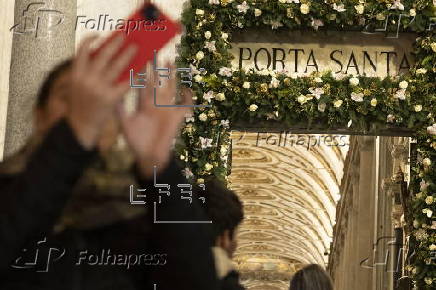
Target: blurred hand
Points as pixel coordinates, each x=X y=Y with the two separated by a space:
x=94 y=93
x=150 y=130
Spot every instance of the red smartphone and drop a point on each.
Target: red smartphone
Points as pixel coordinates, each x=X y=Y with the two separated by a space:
x=149 y=29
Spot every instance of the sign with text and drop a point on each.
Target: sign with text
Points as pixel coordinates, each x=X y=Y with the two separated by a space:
x=341 y=52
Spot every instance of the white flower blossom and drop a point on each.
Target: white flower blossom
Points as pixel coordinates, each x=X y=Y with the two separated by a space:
x=321 y=107
x=198 y=78
x=189 y=119
x=208 y=166
x=202 y=117
x=316 y=92
x=428 y=280
x=431 y=129
x=214 y=2
x=418 y=108
x=357 y=97
x=208 y=96
x=257 y=12
x=339 y=8
x=354 y=81
x=433 y=46
x=225 y=71
x=275 y=24
x=429 y=200
x=421 y=71
x=304 y=8
x=428 y=212
x=224 y=35
x=187 y=173
x=412 y=12
x=374 y=102
x=426 y=161
x=253 y=108
x=423 y=185
x=338 y=103
x=403 y=85
x=210 y=45
x=400 y=94
x=397 y=5
x=208 y=34
x=359 y=8
x=199 y=55
x=199 y=12
x=220 y=97
x=243 y=8
x=225 y=123
x=275 y=83
x=206 y=142
x=246 y=85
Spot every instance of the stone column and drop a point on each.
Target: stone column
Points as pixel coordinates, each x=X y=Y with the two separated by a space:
x=365 y=202
x=6 y=21
x=43 y=36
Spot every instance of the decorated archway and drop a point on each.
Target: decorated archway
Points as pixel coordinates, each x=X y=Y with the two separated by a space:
x=320 y=100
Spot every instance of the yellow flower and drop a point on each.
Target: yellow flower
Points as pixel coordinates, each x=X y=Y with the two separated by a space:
x=374 y=102
x=359 y=8
x=246 y=85
x=200 y=180
x=220 y=97
x=208 y=166
x=433 y=46
x=429 y=199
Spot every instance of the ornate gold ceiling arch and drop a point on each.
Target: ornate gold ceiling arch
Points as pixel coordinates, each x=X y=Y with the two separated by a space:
x=289 y=195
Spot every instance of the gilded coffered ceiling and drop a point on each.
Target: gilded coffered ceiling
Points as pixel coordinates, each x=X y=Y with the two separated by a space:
x=289 y=186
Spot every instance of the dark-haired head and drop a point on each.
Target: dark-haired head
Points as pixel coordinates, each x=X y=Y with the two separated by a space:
x=224 y=209
x=312 y=277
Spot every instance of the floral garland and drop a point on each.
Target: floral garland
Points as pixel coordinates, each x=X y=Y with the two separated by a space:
x=322 y=100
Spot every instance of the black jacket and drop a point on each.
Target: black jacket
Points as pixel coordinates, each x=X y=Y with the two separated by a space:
x=231 y=282
x=176 y=256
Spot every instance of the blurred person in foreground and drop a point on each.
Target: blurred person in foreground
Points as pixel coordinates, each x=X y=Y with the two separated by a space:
x=65 y=186
x=225 y=210
x=312 y=277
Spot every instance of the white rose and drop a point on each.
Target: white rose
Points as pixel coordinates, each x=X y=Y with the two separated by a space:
x=321 y=107
x=199 y=55
x=433 y=46
x=359 y=8
x=429 y=199
x=208 y=34
x=390 y=118
x=246 y=85
x=282 y=1
x=428 y=212
x=431 y=129
x=338 y=103
x=202 y=117
x=304 y=8
x=426 y=162
x=428 y=280
x=208 y=166
x=354 y=81
x=199 y=12
x=253 y=107
x=418 y=108
x=220 y=97
x=224 y=35
x=415 y=224
x=421 y=71
x=412 y=12
x=302 y=99
x=357 y=97
x=432 y=247
x=318 y=80
x=374 y=102
x=403 y=85
x=257 y=12
x=198 y=78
